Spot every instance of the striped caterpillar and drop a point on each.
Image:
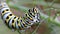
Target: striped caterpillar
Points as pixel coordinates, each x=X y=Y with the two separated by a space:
x=16 y=23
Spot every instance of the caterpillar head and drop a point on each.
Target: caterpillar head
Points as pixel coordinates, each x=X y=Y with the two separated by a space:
x=35 y=13
x=33 y=10
x=3 y=5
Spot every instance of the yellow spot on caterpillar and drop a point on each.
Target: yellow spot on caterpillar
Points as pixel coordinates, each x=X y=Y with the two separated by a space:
x=13 y=24
x=20 y=17
x=24 y=24
x=7 y=21
x=30 y=18
x=19 y=24
x=33 y=14
x=35 y=10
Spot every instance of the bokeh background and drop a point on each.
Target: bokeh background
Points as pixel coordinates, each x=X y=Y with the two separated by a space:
x=49 y=14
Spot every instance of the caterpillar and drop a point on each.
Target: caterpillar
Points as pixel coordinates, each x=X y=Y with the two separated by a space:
x=18 y=23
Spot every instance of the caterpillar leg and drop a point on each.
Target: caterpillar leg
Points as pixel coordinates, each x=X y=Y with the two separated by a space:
x=21 y=31
x=13 y=30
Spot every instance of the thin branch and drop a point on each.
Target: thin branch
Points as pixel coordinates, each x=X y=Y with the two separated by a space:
x=38 y=26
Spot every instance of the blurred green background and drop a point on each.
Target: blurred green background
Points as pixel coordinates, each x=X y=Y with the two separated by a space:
x=49 y=14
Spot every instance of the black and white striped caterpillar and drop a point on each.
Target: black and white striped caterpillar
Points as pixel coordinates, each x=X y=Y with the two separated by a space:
x=15 y=22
